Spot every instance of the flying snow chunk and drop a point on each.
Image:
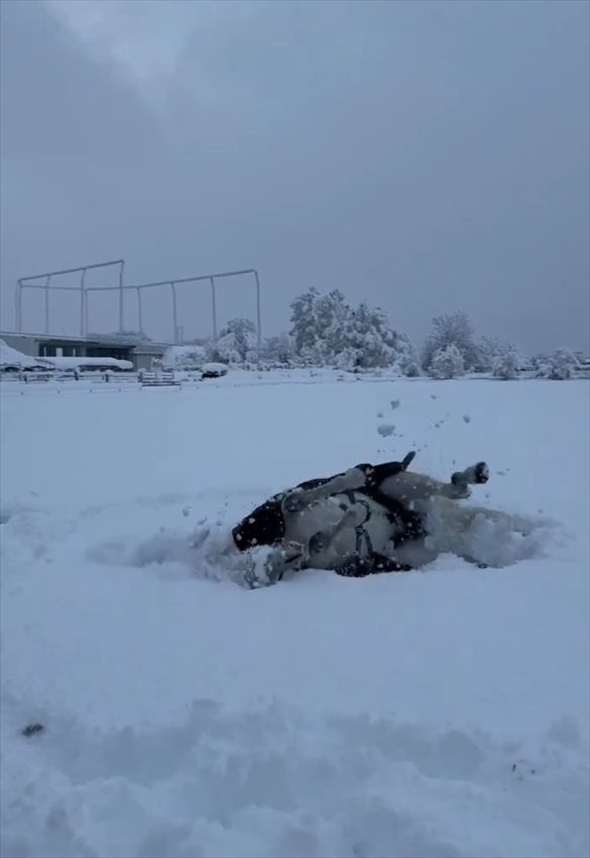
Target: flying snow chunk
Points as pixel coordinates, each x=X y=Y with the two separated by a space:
x=386 y=429
x=395 y=403
x=467 y=418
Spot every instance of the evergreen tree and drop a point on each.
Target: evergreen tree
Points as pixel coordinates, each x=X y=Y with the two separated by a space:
x=304 y=324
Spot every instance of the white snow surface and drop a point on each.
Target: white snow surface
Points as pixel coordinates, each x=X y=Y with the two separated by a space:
x=436 y=713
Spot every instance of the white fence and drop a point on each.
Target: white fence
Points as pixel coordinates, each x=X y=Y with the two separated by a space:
x=109 y=381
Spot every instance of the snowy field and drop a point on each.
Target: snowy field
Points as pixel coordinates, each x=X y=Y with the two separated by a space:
x=436 y=713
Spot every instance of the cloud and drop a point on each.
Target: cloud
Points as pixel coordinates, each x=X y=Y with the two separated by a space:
x=147 y=42
x=426 y=156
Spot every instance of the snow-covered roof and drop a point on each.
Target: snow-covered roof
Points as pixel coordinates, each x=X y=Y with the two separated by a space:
x=79 y=361
x=8 y=355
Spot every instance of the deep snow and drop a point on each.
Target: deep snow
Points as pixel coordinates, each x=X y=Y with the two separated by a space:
x=437 y=713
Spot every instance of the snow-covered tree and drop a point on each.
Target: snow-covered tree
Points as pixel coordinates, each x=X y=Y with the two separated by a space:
x=447 y=363
x=317 y=325
x=506 y=363
x=185 y=358
x=326 y=330
x=489 y=350
x=332 y=317
x=558 y=366
x=236 y=342
x=407 y=359
x=451 y=329
x=304 y=324
x=366 y=339
x=279 y=350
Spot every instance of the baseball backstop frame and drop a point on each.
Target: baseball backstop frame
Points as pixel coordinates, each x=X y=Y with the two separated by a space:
x=46 y=283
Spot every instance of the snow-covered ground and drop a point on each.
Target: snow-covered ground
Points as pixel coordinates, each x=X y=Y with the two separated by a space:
x=437 y=713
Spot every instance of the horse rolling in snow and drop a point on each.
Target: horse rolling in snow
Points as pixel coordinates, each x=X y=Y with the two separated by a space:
x=370 y=519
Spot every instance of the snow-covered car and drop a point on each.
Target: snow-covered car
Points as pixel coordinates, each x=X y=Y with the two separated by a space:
x=91 y=364
x=213 y=370
x=32 y=367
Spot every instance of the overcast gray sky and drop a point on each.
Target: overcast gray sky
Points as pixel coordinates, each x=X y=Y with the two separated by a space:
x=424 y=156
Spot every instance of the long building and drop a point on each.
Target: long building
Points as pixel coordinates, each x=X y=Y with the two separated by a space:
x=46 y=345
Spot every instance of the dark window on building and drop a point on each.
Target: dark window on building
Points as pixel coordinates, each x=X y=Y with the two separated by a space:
x=117 y=353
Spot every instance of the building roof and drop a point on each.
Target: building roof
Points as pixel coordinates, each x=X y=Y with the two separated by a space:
x=140 y=347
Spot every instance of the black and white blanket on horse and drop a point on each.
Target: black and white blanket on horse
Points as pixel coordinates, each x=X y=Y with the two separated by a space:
x=371 y=519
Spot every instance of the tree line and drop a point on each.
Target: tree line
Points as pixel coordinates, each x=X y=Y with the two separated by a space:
x=326 y=330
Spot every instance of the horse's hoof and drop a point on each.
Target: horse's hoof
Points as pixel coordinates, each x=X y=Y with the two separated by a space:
x=32 y=730
x=474 y=475
x=481 y=473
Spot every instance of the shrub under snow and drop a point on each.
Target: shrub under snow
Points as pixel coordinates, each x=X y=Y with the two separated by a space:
x=558 y=366
x=506 y=364
x=447 y=363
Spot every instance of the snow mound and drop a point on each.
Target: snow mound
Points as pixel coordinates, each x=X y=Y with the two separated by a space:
x=272 y=780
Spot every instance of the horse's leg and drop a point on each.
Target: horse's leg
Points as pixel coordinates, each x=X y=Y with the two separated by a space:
x=295 y=499
x=322 y=540
x=477 y=474
x=357 y=478
x=407 y=487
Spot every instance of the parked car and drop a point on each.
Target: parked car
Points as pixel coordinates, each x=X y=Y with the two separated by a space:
x=213 y=370
x=33 y=367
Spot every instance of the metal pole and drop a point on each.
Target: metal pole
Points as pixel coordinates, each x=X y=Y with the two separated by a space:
x=174 y=318
x=86 y=303
x=74 y=270
x=48 y=278
x=82 y=278
x=18 y=297
x=139 y=311
x=121 y=305
x=214 y=307
x=258 y=322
